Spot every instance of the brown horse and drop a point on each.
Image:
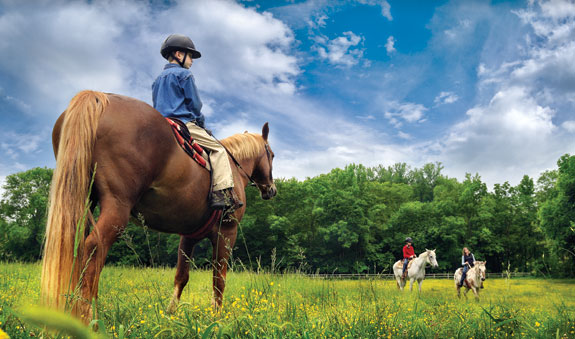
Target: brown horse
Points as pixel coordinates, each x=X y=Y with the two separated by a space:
x=139 y=170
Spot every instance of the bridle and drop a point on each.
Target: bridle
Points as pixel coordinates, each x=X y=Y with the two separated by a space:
x=481 y=273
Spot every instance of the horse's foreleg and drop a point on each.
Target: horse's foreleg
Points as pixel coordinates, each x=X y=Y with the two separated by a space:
x=419 y=282
x=185 y=252
x=222 y=243
x=398 y=280
x=411 y=284
x=109 y=227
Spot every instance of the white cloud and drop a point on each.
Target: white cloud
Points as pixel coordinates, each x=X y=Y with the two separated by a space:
x=403 y=135
x=558 y=9
x=569 y=126
x=548 y=62
x=320 y=20
x=385 y=7
x=16 y=143
x=389 y=45
x=59 y=44
x=509 y=137
x=409 y=112
x=460 y=30
x=554 y=67
x=342 y=50
x=445 y=98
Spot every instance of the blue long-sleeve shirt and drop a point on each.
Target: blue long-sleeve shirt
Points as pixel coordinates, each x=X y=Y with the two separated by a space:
x=174 y=94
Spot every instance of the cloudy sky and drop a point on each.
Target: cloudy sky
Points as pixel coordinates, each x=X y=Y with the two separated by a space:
x=483 y=87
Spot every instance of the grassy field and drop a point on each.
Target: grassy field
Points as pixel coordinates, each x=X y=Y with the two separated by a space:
x=133 y=302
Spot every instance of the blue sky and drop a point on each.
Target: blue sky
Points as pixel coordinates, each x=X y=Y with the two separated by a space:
x=484 y=87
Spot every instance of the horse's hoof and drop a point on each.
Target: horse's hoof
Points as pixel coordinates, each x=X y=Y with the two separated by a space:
x=172 y=307
x=216 y=305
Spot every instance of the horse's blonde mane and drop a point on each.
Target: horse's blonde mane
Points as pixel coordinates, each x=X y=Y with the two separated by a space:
x=244 y=146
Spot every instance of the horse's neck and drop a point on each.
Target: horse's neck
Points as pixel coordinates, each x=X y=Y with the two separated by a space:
x=245 y=169
x=420 y=261
x=475 y=273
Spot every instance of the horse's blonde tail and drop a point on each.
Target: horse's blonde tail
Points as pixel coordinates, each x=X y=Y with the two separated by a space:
x=64 y=247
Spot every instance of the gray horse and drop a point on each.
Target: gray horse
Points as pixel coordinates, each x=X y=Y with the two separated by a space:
x=416 y=270
x=474 y=279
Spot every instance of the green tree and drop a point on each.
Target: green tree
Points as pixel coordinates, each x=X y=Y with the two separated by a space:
x=424 y=181
x=23 y=214
x=546 y=186
x=558 y=217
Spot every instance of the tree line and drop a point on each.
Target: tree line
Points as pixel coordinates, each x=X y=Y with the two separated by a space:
x=352 y=220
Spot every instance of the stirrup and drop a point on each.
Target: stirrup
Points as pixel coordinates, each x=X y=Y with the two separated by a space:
x=225 y=199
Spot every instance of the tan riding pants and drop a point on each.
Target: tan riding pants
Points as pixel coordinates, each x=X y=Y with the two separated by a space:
x=221 y=170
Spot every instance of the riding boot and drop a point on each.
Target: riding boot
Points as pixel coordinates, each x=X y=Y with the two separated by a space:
x=224 y=199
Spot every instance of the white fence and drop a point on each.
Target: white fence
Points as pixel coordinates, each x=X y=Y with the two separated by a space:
x=446 y=275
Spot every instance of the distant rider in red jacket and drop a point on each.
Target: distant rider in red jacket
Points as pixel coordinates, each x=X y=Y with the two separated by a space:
x=408 y=254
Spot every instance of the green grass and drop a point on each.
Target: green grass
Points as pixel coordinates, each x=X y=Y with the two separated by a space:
x=133 y=301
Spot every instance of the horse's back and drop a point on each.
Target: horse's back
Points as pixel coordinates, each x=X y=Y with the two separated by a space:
x=134 y=143
x=125 y=124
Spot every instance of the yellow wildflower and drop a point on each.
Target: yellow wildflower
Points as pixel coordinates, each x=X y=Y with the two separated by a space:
x=4 y=335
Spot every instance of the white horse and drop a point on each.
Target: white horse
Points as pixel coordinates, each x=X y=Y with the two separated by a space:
x=416 y=271
x=474 y=279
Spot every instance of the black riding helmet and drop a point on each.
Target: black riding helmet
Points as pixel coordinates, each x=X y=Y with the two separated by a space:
x=179 y=42
x=408 y=239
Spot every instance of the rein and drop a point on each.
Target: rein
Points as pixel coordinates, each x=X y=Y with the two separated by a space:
x=252 y=181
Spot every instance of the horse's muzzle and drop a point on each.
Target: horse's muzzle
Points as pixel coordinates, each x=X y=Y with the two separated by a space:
x=268 y=191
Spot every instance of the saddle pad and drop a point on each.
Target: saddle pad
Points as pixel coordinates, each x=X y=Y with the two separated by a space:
x=399 y=264
x=186 y=141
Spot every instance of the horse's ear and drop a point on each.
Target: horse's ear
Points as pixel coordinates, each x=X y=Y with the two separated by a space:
x=434 y=249
x=245 y=131
x=426 y=250
x=265 y=131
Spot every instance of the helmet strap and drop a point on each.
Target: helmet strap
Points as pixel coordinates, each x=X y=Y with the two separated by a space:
x=184 y=60
x=181 y=63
